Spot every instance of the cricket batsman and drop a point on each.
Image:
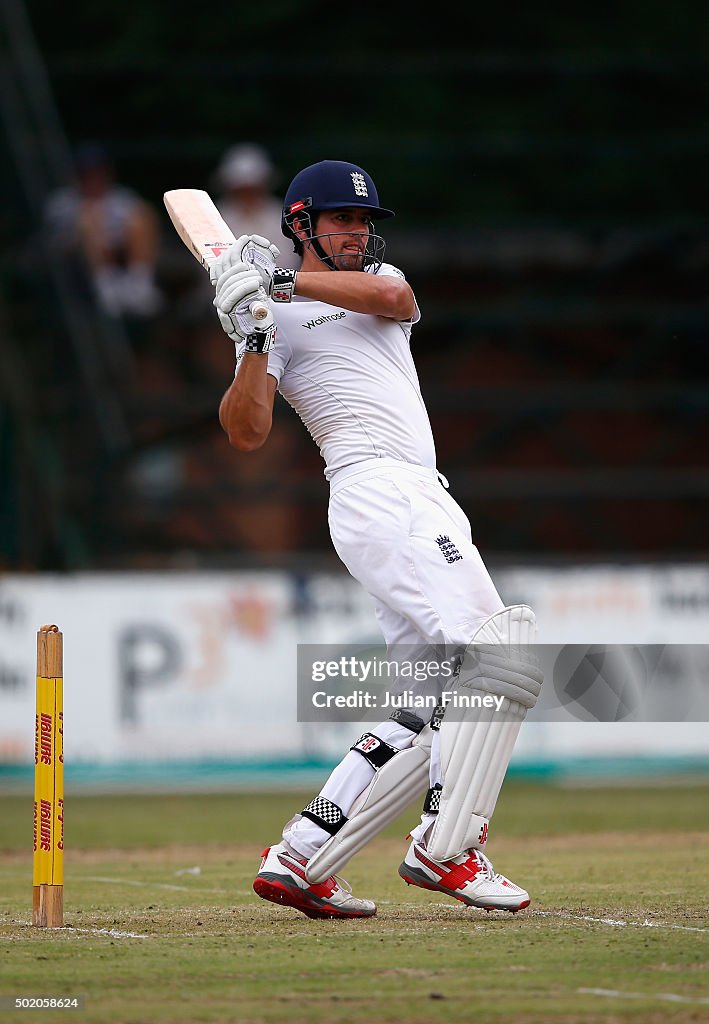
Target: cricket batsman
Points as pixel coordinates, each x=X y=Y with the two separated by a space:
x=336 y=345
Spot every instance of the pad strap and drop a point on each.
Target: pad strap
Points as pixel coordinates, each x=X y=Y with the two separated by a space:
x=437 y=716
x=432 y=802
x=377 y=752
x=408 y=719
x=325 y=814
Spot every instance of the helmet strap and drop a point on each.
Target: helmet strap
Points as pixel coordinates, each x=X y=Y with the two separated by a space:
x=322 y=255
x=306 y=220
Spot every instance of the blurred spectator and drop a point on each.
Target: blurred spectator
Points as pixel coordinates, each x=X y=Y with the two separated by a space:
x=246 y=178
x=112 y=229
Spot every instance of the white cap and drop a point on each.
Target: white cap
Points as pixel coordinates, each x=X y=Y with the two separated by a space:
x=245 y=165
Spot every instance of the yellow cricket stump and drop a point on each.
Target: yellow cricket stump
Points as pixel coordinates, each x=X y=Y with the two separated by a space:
x=48 y=874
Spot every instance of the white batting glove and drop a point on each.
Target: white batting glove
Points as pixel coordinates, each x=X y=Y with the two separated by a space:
x=242 y=328
x=228 y=259
x=234 y=284
x=258 y=253
x=253 y=249
x=237 y=290
x=262 y=255
x=240 y=325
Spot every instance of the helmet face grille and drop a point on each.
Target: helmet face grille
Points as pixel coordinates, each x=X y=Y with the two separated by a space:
x=374 y=248
x=300 y=215
x=374 y=254
x=372 y=257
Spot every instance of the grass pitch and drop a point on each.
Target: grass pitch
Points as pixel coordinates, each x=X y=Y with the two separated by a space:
x=617 y=930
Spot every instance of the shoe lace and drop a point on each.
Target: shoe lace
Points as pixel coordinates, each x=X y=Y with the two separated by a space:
x=486 y=865
x=343 y=883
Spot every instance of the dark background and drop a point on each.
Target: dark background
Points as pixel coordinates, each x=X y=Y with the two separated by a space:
x=549 y=169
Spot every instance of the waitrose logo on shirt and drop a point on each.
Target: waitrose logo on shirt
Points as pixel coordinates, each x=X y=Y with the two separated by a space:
x=324 y=320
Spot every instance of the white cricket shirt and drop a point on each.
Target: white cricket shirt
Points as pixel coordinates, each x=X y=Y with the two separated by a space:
x=351 y=378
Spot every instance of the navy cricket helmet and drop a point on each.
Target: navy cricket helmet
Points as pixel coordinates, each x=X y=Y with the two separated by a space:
x=330 y=185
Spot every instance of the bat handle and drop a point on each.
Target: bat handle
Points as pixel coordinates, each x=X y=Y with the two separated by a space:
x=259 y=310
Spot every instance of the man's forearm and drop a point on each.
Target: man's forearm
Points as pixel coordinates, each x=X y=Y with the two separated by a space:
x=246 y=410
x=362 y=293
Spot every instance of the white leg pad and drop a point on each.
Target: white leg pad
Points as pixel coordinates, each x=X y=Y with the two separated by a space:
x=476 y=749
x=400 y=781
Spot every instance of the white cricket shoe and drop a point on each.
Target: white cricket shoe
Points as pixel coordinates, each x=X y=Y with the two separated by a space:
x=282 y=880
x=470 y=878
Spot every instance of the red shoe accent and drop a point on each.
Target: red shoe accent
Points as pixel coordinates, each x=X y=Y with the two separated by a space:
x=275 y=892
x=324 y=889
x=457 y=874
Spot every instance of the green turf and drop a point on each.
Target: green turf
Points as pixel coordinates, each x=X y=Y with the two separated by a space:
x=212 y=951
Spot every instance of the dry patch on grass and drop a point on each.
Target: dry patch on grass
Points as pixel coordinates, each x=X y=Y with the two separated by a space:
x=603 y=841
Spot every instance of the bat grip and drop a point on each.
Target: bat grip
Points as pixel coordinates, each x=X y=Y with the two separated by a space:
x=258 y=310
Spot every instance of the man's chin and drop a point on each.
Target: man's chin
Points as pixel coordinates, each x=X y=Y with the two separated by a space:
x=350 y=261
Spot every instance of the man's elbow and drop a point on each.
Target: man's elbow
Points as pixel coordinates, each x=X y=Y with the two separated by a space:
x=243 y=435
x=247 y=441
x=246 y=433
x=400 y=299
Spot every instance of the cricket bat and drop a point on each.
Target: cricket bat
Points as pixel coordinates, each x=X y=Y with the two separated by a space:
x=202 y=228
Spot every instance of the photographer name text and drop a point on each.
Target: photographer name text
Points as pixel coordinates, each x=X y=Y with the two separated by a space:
x=406 y=700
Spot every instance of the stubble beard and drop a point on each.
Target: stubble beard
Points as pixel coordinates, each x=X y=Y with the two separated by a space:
x=350 y=261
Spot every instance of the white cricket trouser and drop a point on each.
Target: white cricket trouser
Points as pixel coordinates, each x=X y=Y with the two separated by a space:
x=403 y=537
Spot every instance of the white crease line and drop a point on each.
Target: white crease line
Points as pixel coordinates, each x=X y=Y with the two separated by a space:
x=616 y=923
x=113 y=932
x=665 y=997
x=417 y=906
